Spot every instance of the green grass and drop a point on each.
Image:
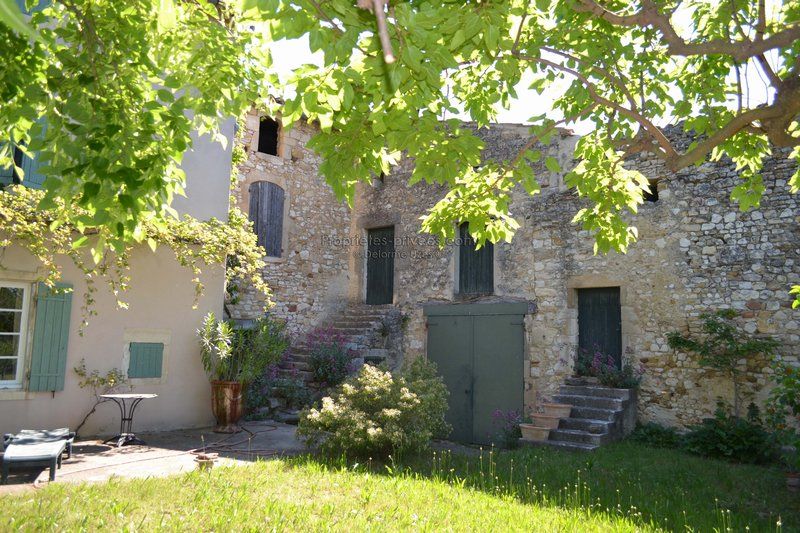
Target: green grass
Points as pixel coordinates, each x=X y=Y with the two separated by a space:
x=623 y=487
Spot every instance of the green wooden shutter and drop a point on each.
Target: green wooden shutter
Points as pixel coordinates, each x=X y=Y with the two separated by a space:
x=475 y=267
x=146 y=359
x=50 y=336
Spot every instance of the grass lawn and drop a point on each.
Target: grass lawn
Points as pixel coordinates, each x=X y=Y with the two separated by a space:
x=622 y=487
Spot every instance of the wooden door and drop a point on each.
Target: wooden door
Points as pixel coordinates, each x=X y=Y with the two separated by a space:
x=600 y=322
x=380 y=266
x=479 y=352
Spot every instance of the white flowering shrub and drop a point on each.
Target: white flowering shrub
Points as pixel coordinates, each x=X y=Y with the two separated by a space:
x=375 y=413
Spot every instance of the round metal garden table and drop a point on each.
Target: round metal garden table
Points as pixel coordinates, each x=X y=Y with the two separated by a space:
x=127 y=404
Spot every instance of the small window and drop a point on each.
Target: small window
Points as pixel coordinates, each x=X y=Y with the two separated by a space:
x=13 y=331
x=268 y=136
x=146 y=360
x=475 y=267
x=651 y=195
x=266 y=213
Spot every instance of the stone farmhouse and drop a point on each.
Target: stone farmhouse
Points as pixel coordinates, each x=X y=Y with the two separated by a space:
x=504 y=323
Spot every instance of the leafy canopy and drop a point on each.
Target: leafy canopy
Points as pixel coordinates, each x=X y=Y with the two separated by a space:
x=122 y=86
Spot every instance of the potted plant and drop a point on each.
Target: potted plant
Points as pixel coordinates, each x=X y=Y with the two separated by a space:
x=233 y=356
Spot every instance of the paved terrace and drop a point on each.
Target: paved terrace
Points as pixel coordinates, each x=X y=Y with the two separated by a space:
x=166 y=453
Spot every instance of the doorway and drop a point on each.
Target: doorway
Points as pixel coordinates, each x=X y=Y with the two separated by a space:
x=600 y=322
x=478 y=350
x=380 y=266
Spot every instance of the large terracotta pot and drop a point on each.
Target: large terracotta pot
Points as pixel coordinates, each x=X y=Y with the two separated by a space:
x=227 y=405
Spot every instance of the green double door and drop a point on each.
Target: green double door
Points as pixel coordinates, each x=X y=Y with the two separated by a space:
x=478 y=350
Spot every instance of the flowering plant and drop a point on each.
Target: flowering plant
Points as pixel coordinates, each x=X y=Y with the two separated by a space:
x=604 y=367
x=331 y=360
x=376 y=413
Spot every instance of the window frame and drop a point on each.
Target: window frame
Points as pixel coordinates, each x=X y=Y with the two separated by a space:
x=22 y=346
x=278 y=128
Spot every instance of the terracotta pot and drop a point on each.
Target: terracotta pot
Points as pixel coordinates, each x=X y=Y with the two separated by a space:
x=793 y=481
x=546 y=421
x=227 y=405
x=205 y=461
x=534 y=433
x=561 y=410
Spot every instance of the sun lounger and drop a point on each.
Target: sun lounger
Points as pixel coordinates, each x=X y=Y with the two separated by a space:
x=36 y=448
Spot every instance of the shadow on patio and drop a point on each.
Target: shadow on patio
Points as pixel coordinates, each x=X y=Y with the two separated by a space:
x=166 y=453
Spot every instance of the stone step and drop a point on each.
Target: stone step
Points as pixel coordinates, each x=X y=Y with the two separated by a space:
x=594 y=413
x=297 y=364
x=561 y=445
x=578 y=436
x=351 y=327
x=578 y=400
x=305 y=375
x=595 y=427
x=596 y=391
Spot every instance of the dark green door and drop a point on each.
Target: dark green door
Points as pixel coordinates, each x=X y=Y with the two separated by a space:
x=600 y=322
x=478 y=350
x=380 y=265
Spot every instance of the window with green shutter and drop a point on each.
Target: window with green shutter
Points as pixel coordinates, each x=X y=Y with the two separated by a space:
x=146 y=359
x=50 y=338
x=266 y=213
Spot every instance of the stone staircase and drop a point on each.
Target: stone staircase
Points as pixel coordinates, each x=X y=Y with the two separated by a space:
x=598 y=415
x=363 y=328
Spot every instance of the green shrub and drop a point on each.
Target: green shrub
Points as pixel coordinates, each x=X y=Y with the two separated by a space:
x=742 y=440
x=656 y=435
x=375 y=413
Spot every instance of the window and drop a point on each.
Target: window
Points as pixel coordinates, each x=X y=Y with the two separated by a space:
x=268 y=136
x=145 y=359
x=14 y=299
x=266 y=213
x=652 y=194
x=475 y=267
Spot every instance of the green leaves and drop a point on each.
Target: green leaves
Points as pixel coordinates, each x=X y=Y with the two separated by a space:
x=12 y=17
x=122 y=96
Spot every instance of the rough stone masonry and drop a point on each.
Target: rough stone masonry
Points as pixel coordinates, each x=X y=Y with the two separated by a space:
x=696 y=252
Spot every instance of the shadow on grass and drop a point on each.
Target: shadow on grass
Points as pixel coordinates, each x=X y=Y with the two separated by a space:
x=663 y=488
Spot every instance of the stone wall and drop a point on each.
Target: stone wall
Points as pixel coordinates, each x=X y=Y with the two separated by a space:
x=309 y=280
x=696 y=252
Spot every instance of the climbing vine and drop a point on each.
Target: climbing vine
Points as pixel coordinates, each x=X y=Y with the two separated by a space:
x=195 y=244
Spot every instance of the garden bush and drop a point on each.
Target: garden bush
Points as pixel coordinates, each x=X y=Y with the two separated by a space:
x=331 y=361
x=741 y=440
x=375 y=413
x=656 y=436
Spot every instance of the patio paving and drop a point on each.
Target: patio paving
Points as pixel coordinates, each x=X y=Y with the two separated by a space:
x=166 y=453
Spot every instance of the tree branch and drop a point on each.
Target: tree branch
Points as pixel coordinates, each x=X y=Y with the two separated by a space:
x=650 y=15
x=668 y=150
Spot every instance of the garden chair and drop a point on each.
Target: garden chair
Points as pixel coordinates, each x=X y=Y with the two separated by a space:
x=32 y=447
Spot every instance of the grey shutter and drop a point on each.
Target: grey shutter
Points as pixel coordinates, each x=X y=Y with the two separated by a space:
x=50 y=336
x=266 y=213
